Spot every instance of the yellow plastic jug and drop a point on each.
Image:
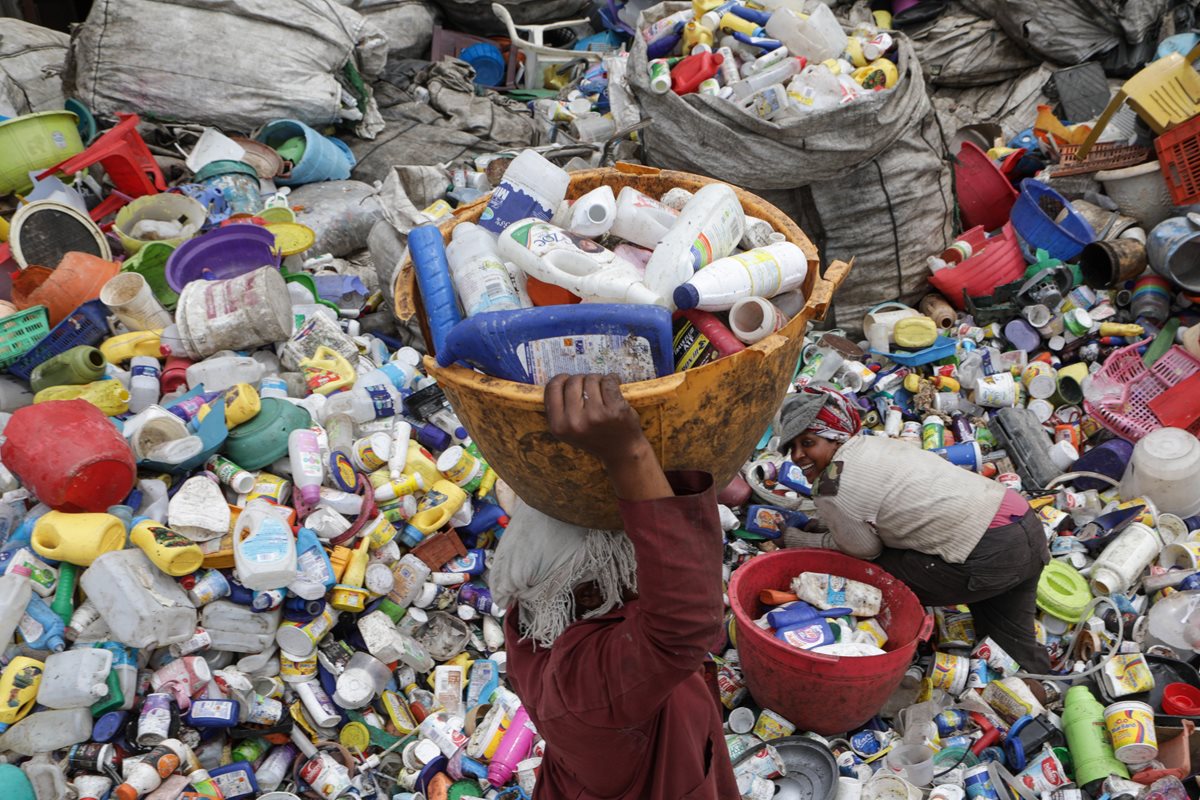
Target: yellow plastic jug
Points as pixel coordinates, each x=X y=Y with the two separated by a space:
x=419 y=463
x=18 y=688
x=437 y=506
x=242 y=404
x=327 y=371
x=169 y=551
x=108 y=395
x=127 y=345
x=77 y=538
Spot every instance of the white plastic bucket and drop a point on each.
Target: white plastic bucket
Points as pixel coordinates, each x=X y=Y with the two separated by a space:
x=236 y=314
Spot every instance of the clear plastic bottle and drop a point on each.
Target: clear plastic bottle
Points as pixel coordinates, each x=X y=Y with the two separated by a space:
x=771 y=75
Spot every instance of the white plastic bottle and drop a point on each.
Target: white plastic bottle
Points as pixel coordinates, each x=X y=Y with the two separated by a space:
x=779 y=73
x=15 y=591
x=142 y=605
x=480 y=277
x=708 y=229
x=304 y=453
x=753 y=319
x=771 y=103
x=220 y=372
x=1124 y=559
x=531 y=187
x=264 y=550
x=641 y=219
x=49 y=730
x=75 y=678
x=766 y=61
x=591 y=215
x=144 y=387
x=580 y=266
x=362 y=404
x=764 y=272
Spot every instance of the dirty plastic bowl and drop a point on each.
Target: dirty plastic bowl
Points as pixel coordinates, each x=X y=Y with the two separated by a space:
x=34 y=142
x=1165 y=468
x=488 y=62
x=1033 y=217
x=811 y=771
x=161 y=207
x=786 y=679
x=222 y=254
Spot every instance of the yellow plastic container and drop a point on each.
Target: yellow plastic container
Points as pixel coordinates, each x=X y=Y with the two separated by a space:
x=915 y=333
x=169 y=551
x=19 y=685
x=242 y=404
x=437 y=506
x=77 y=538
x=139 y=343
x=327 y=371
x=108 y=395
x=707 y=418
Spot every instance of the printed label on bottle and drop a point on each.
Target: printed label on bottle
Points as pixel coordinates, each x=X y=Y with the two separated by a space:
x=488 y=287
x=316 y=377
x=144 y=369
x=381 y=398
x=167 y=537
x=313 y=566
x=835 y=592
x=268 y=544
x=31 y=630
x=510 y=203
x=627 y=356
x=721 y=237
x=542 y=238
x=234 y=784
x=212 y=709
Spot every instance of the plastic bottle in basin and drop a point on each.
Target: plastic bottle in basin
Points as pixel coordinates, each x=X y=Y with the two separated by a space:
x=75 y=678
x=828 y=591
x=641 y=219
x=709 y=228
x=142 y=606
x=531 y=187
x=482 y=280
x=764 y=272
x=428 y=253
x=264 y=549
x=578 y=265
x=535 y=344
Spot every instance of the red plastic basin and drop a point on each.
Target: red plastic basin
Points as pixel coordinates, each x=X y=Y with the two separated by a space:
x=817 y=692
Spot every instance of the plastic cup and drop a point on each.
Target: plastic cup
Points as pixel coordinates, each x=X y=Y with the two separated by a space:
x=130 y=297
x=913 y=761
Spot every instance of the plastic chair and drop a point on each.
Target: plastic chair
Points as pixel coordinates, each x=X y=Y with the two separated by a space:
x=125 y=159
x=1165 y=93
x=534 y=47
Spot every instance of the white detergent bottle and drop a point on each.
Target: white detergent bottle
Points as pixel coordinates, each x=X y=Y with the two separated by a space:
x=480 y=278
x=15 y=591
x=642 y=219
x=578 y=265
x=264 y=550
x=771 y=103
x=75 y=678
x=709 y=228
x=764 y=272
x=591 y=215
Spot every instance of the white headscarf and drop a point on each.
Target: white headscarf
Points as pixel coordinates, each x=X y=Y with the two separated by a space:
x=541 y=560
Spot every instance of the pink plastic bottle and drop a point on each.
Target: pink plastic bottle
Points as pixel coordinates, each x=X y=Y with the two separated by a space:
x=515 y=745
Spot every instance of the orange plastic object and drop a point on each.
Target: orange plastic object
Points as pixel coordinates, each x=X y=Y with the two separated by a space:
x=77 y=279
x=547 y=294
x=1179 y=159
x=775 y=597
x=1048 y=123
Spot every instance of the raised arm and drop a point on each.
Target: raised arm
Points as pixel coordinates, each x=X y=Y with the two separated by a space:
x=677 y=536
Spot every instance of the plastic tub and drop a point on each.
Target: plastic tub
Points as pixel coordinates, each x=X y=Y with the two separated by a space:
x=325 y=158
x=1165 y=468
x=788 y=680
x=160 y=207
x=985 y=195
x=35 y=142
x=1033 y=217
x=222 y=254
x=1140 y=192
x=705 y=418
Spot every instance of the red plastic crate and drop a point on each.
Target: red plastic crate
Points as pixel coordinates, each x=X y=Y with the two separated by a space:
x=1179 y=159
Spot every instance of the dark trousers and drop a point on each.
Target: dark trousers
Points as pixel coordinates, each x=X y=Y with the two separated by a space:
x=998 y=582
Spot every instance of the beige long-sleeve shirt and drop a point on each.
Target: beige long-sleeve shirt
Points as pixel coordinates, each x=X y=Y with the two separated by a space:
x=879 y=492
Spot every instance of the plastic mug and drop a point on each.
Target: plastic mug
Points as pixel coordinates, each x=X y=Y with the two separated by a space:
x=1184 y=554
x=130 y=297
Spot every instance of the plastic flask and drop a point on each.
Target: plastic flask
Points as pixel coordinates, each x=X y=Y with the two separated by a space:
x=1088 y=739
x=779 y=73
x=304 y=453
x=78 y=365
x=591 y=215
x=764 y=272
x=264 y=549
x=1124 y=559
x=327 y=371
x=578 y=265
x=641 y=219
x=77 y=538
x=40 y=627
x=514 y=747
x=535 y=344
x=19 y=685
x=170 y=552
x=482 y=280
x=428 y=254
x=107 y=395
x=531 y=187
x=15 y=591
x=709 y=228
x=689 y=73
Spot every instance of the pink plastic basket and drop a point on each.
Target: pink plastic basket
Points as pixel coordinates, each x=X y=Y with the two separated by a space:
x=1128 y=414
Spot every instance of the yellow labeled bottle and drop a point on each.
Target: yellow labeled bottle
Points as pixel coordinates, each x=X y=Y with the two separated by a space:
x=327 y=371
x=434 y=510
x=77 y=538
x=127 y=345
x=348 y=594
x=109 y=396
x=19 y=685
x=169 y=551
x=242 y=404
x=421 y=463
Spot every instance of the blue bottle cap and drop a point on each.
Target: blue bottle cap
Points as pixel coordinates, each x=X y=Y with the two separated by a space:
x=686 y=296
x=108 y=725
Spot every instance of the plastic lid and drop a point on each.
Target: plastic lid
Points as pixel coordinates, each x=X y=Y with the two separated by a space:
x=291 y=639
x=686 y=296
x=107 y=726
x=1062 y=592
x=292 y=238
x=355 y=736
x=125 y=792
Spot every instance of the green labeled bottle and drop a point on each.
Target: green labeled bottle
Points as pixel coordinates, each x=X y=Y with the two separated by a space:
x=1087 y=738
x=78 y=365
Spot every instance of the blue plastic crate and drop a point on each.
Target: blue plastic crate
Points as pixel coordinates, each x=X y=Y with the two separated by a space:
x=86 y=325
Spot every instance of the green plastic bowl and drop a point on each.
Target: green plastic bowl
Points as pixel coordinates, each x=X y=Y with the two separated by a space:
x=263 y=440
x=35 y=142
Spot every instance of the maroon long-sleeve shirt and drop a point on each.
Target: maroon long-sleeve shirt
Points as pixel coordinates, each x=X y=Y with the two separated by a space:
x=622 y=700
